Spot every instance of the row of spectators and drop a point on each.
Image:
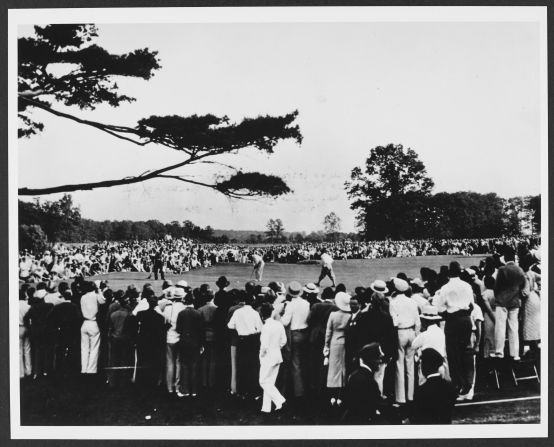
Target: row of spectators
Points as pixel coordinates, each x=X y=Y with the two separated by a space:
x=65 y=262
x=360 y=351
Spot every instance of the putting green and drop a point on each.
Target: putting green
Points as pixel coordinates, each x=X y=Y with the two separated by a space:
x=352 y=273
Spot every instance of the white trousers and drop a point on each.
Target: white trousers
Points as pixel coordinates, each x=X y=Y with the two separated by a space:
x=90 y=344
x=24 y=352
x=405 y=374
x=503 y=316
x=268 y=375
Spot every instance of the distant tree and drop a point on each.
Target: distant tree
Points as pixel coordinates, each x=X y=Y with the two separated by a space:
x=275 y=229
x=387 y=192
x=84 y=76
x=332 y=225
x=32 y=238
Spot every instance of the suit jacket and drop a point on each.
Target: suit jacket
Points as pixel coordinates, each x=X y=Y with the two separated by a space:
x=190 y=327
x=317 y=321
x=362 y=397
x=272 y=339
x=433 y=402
x=510 y=282
x=152 y=334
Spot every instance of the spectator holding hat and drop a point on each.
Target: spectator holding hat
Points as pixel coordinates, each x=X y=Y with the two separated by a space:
x=405 y=316
x=335 y=347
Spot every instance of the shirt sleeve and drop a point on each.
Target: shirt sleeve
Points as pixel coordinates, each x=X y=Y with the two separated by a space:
x=232 y=322
x=287 y=316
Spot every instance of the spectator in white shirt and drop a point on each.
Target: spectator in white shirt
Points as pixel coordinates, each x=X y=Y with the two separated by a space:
x=170 y=313
x=272 y=339
x=248 y=324
x=90 y=333
x=405 y=316
x=296 y=317
x=432 y=336
x=456 y=301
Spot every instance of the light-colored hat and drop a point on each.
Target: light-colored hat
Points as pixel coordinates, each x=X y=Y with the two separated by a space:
x=182 y=283
x=430 y=312
x=179 y=293
x=282 y=288
x=400 y=285
x=418 y=282
x=342 y=301
x=311 y=288
x=471 y=272
x=169 y=291
x=294 y=288
x=379 y=286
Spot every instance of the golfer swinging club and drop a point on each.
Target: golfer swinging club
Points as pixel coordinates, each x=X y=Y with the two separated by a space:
x=326 y=267
x=259 y=263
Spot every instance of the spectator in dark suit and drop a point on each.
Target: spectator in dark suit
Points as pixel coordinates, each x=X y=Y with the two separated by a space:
x=190 y=327
x=317 y=324
x=223 y=301
x=40 y=334
x=121 y=335
x=209 y=356
x=150 y=342
x=65 y=320
x=362 y=396
x=434 y=400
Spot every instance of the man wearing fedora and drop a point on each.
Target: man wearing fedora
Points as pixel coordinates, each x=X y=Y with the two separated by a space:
x=172 y=356
x=295 y=317
x=362 y=396
x=317 y=324
x=326 y=268
x=223 y=303
x=405 y=315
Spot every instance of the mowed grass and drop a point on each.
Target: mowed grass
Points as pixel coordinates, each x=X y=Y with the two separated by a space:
x=353 y=272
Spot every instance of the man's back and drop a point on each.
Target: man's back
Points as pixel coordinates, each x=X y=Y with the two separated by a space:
x=434 y=402
x=510 y=281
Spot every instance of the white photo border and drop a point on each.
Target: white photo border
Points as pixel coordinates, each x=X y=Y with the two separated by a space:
x=18 y=17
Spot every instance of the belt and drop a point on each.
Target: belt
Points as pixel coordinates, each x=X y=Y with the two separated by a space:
x=405 y=328
x=299 y=330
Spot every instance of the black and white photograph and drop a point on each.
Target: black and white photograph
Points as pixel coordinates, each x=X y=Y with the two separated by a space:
x=247 y=223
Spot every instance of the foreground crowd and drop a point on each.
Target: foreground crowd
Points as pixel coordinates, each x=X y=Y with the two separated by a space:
x=405 y=343
x=65 y=262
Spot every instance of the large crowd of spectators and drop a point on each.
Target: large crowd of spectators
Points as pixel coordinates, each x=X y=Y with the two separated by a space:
x=399 y=346
x=68 y=261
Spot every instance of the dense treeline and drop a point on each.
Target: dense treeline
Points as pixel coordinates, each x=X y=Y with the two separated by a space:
x=60 y=220
x=392 y=194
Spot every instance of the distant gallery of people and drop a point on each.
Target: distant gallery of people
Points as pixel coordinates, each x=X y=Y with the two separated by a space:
x=401 y=344
x=176 y=256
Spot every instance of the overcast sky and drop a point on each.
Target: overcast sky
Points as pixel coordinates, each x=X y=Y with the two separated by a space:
x=464 y=96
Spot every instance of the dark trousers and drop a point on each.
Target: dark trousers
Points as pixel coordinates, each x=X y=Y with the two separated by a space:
x=67 y=359
x=42 y=353
x=317 y=370
x=121 y=359
x=299 y=359
x=248 y=364
x=190 y=359
x=150 y=359
x=208 y=365
x=159 y=269
x=457 y=331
